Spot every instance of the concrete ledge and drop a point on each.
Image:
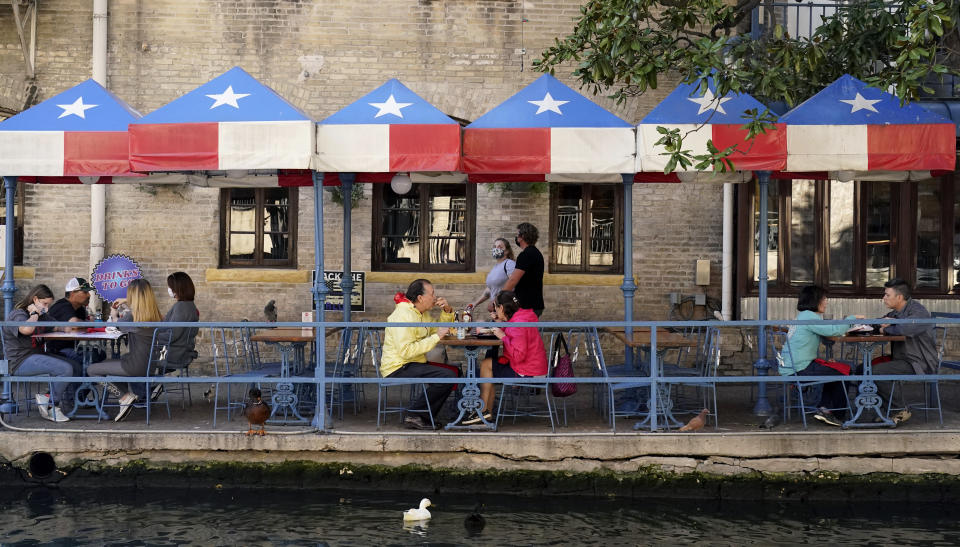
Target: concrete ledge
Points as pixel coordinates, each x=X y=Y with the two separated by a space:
x=254 y=275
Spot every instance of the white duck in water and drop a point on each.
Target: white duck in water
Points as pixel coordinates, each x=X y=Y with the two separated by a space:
x=418 y=514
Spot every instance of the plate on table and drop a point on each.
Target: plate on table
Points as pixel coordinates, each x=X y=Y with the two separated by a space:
x=861 y=329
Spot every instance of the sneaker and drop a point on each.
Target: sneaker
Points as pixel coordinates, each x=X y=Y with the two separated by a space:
x=416 y=422
x=57 y=415
x=43 y=399
x=901 y=416
x=155 y=392
x=112 y=389
x=827 y=417
x=126 y=405
x=474 y=419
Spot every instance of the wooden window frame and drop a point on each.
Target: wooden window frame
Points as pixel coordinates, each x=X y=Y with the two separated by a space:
x=258 y=261
x=470 y=215
x=585 y=267
x=903 y=244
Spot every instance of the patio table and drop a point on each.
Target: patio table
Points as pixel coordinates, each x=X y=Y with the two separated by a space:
x=867 y=397
x=288 y=341
x=666 y=340
x=470 y=399
x=88 y=342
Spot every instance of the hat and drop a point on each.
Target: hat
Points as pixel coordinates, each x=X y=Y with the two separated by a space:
x=78 y=284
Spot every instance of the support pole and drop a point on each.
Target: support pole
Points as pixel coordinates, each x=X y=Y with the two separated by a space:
x=726 y=268
x=762 y=407
x=98 y=192
x=320 y=291
x=628 y=287
x=346 y=284
x=7 y=405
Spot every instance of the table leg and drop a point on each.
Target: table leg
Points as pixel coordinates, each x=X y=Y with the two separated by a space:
x=285 y=396
x=664 y=403
x=867 y=397
x=87 y=386
x=471 y=400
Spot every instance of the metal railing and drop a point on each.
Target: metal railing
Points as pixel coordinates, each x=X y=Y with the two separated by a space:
x=322 y=381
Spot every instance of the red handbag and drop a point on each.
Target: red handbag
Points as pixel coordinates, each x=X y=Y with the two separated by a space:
x=454 y=368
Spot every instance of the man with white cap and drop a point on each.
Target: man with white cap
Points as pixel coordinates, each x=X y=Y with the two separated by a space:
x=72 y=307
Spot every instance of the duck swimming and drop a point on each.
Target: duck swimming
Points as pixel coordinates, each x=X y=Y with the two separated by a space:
x=474 y=522
x=418 y=514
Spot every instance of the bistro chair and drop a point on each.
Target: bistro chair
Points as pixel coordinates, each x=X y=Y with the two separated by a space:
x=798 y=393
x=225 y=349
x=159 y=342
x=181 y=370
x=516 y=398
x=931 y=386
x=24 y=388
x=706 y=367
x=383 y=390
x=351 y=350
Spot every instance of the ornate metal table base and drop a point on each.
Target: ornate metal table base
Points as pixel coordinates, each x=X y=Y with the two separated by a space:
x=664 y=409
x=867 y=396
x=470 y=400
x=285 y=396
x=79 y=401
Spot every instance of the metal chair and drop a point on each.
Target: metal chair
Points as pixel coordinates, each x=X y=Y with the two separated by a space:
x=223 y=348
x=931 y=386
x=351 y=349
x=705 y=366
x=159 y=341
x=516 y=398
x=182 y=370
x=383 y=390
x=780 y=343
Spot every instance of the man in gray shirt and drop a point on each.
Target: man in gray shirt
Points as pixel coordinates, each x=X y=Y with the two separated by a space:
x=915 y=355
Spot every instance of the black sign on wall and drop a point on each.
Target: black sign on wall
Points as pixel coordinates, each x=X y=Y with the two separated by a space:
x=334 y=301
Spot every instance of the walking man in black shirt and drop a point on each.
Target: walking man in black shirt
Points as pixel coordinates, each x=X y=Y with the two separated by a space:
x=527 y=278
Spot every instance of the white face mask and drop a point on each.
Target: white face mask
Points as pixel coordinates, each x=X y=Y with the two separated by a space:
x=170 y=292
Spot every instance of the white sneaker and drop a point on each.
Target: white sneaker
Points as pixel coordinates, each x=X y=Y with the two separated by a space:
x=57 y=415
x=126 y=405
x=42 y=399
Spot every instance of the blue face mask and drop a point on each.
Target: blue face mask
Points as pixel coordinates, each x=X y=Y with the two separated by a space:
x=497 y=252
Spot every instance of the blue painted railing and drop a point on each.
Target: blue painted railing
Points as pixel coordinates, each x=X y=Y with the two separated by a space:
x=654 y=379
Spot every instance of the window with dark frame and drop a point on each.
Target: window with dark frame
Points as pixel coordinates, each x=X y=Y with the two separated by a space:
x=430 y=228
x=18 y=209
x=586 y=228
x=852 y=237
x=258 y=227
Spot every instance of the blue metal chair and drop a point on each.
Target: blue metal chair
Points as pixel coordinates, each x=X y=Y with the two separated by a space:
x=706 y=367
x=516 y=398
x=181 y=370
x=931 y=387
x=351 y=349
x=159 y=342
x=780 y=343
x=383 y=390
x=224 y=349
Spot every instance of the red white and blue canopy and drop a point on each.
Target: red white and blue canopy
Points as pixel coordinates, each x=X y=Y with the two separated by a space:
x=79 y=132
x=701 y=116
x=390 y=129
x=849 y=126
x=550 y=130
x=232 y=122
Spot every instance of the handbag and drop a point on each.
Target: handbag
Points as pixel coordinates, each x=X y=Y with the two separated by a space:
x=562 y=368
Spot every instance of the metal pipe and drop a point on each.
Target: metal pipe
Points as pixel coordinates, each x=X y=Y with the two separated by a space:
x=628 y=287
x=7 y=405
x=98 y=192
x=762 y=406
x=726 y=268
x=320 y=291
x=346 y=283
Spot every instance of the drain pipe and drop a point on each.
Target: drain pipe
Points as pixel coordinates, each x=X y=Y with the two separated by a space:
x=726 y=267
x=98 y=192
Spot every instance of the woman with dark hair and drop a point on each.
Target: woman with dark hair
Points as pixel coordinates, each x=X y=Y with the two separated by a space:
x=799 y=354
x=27 y=360
x=523 y=353
x=182 y=349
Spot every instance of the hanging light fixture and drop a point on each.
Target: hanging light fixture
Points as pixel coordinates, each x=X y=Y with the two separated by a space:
x=89 y=180
x=401 y=183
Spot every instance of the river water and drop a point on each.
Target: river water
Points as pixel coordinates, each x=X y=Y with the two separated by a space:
x=162 y=516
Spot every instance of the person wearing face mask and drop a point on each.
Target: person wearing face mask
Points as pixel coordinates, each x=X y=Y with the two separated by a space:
x=527 y=279
x=26 y=359
x=499 y=274
x=180 y=288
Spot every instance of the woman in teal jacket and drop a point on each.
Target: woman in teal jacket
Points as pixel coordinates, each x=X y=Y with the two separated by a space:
x=800 y=350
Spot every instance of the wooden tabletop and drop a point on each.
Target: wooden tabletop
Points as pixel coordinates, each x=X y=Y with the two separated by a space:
x=285 y=334
x=641 y=338
x=79 y=335
x=867 y=338
x=469 y=341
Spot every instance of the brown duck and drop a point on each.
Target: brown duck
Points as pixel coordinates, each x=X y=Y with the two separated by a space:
x=256 y=412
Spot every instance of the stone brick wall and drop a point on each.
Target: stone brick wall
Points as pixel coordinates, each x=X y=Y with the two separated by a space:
x=463 y=56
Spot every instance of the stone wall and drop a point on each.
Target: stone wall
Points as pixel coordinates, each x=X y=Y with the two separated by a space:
x=463 y=56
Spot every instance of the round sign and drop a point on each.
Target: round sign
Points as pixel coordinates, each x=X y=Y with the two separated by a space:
x=113 y=274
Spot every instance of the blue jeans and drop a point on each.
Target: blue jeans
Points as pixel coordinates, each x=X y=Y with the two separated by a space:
x=40 y=364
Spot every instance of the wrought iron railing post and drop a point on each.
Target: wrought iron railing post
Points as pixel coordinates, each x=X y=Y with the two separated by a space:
x=762 y=406
x=9 y=285
x=320 y=291
x=628 y=287
x=346 y=283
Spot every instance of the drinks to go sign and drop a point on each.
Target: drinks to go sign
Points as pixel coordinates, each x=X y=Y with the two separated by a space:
x=112 y=275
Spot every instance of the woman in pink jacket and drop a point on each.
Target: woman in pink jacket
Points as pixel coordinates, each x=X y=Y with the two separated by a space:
x=524 y=354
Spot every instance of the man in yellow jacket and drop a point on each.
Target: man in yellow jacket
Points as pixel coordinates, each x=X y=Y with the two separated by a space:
x=405 y=349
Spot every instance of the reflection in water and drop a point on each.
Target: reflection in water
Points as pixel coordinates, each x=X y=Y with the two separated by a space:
x=260 y=516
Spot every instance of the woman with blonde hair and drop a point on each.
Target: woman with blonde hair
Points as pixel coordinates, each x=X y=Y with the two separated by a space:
x=140 y=306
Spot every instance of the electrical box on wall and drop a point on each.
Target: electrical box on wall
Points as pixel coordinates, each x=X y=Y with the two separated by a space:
x=703 y=272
